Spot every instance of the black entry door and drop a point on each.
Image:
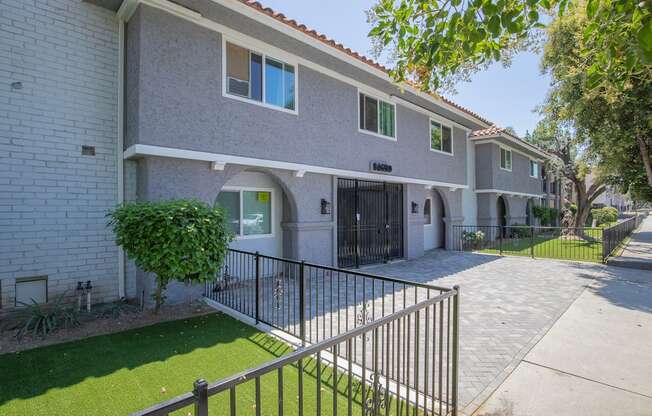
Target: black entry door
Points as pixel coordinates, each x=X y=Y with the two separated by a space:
x=369 y=222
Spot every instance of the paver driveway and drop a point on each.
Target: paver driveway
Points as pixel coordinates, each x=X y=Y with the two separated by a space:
x=507 y=305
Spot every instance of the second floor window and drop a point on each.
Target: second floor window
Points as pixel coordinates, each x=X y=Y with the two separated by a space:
x=259 y=77
x=441 y=137
x=377 y=116
x=505 y=159
x=534 y=169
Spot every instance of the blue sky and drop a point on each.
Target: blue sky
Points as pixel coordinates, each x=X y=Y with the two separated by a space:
x=506 y=96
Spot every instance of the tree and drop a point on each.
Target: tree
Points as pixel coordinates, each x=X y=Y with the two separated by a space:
x=557 y=137
x=177 y=240
x=436 y=42
x=617 y=122
x=602 y=49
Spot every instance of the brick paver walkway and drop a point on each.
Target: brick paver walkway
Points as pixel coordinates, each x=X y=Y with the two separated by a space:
x=507 y=305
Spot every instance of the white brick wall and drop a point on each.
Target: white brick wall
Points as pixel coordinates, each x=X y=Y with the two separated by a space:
x=53 y=199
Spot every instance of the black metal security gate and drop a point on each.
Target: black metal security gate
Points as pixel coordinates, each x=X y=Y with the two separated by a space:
x=369 y=222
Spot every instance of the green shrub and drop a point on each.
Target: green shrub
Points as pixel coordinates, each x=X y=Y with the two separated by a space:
x=517 y=230
x=472 y=239
x=184 y=240
x=605 y=215
x=545 y=215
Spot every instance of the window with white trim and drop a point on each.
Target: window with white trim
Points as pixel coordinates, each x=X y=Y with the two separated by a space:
x=377 y=116
x=248 y=212
x=260 y=78
x=505 y=159
x=441 y=137
x=534 y=169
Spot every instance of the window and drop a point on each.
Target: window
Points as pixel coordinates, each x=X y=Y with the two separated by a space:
x=377 y=116
x=427 y=212
x=248 y=212
x=259 y=78
x=441 y=138
x=534 y=169
x=505 y=159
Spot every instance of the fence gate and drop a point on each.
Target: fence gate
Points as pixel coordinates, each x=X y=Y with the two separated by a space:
x=369 y=222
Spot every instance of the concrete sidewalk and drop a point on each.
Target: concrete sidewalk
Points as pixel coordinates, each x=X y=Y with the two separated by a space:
x=638 y=252
x=596 y=360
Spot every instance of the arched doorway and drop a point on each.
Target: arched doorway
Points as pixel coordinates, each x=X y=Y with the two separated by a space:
x=434 y=228
x=256 y=205
x=501 y=213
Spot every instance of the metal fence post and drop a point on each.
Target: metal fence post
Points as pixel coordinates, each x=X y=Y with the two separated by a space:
x=456 y=342
x=200 y=391
x=302 y=303
x=257 y=287
x=532 y=241
x=500 y=239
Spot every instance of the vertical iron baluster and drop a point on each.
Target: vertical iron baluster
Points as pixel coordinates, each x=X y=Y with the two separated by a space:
x=363 y=339
x=258 y=405
x=335 y=352
x=387 y=365
x=408 y=325
x=441 y=353
x=300 y=367
x=456 y=332
x=349 y=352
x=376 y=398
x=319 y=383
x=232 y=401
x=200 y=391
x=448 y=351
x=417 y=340
x=302 y=303
x=257 y=287
x=280 y=391
x=425 y=356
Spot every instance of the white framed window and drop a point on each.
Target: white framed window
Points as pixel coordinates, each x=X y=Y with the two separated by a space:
x=249 y=211
x=258 y=78
x=376 y=116
x=505 y=159
x=441 y=137
x=427 y=212
x=534 y=169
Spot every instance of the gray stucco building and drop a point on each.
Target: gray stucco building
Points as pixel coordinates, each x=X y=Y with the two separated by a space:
x=313 y=150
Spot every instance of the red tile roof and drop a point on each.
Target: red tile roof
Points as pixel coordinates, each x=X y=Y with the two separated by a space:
x=328 y=41
x=491 y=131
x=501 y=131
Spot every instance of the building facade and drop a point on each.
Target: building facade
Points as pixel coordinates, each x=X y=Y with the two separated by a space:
x=311 y=148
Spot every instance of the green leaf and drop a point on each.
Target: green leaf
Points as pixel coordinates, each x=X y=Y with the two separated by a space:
x=592 y=8
x=645 y=36
x=494 y=25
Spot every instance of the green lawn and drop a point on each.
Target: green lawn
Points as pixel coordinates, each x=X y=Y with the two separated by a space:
x=551 y=247
x=124 y=372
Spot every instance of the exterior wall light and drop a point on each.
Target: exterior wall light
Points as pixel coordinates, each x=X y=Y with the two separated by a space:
x=415 y=208
x=325 y=207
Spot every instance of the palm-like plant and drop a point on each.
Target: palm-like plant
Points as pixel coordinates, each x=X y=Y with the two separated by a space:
x=43 y=319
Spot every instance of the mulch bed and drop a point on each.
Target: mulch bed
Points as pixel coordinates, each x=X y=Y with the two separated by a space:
x=92 y=325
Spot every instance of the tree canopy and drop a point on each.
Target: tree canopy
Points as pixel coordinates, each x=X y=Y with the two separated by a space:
x=598 y=52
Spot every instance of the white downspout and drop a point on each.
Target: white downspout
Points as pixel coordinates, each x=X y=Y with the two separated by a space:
x=120 y=146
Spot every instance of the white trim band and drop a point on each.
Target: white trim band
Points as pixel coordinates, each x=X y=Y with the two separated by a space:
x=512 y=193
x=141 y=150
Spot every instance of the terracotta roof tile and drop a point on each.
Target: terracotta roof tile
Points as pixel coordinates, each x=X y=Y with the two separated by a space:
x=328 y=41
x=495 y=131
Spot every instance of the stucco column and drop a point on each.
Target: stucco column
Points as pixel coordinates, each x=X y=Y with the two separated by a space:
x=413 y=235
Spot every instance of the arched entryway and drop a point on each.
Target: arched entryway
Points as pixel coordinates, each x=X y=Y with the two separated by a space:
x=434 y=227
x=501 y=213
x=256 y=204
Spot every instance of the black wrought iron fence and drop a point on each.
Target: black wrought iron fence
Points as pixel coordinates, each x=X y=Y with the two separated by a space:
x=407 y=366
x=614 y=235
x=582 y=244
x=309 y=301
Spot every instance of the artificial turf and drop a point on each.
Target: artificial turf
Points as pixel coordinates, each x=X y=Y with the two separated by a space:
x=124 y=372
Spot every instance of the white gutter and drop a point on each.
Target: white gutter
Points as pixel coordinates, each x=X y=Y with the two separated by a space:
x=503 y=192
x=120 y=145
